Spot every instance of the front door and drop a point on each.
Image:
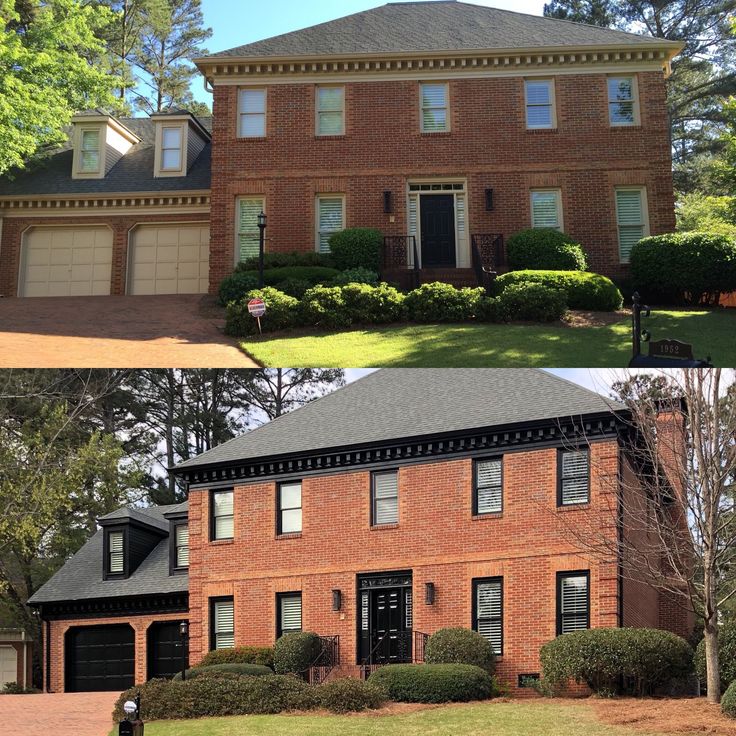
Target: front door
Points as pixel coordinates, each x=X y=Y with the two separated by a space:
x=389 y=635
x=438 y=230
x=166 y=652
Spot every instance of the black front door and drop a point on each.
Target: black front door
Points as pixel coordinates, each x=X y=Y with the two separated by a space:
x=389 y=635
x=166 y=655
x=438 y=230
x=99 y=658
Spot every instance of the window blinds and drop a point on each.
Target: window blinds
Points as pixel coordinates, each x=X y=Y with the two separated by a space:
x=252 y=113
x=115 y=544
x=171 y=148
x=224 y=614
x=291 y=613
x=223 y=515
x=489 y=612
x=182 y=545
x=249 y=235
x=539 y=104
x=574 y=603
x=575 y=477
x=489 y=492
x=329 y=213
x=330 y=110
x=630 y=215
x=545 y=211
x=434 y=108
x=385 y=498
x=90 y=150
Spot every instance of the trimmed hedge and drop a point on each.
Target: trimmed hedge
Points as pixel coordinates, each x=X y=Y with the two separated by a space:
x=434 y=683
x=545 y=249
x=728 y=701
x=439 y=302
x=242 y=655
x=584 y=290
x=617 y=661
x=287 y=260
x=531 y=302
x=313 y=275
x=726 y=658
x=294 y=653
x=460 y=646
x=348 y=695
x=377 y=305
x=357 y=247
x=236 y=285
x=693 y=267
x=281 y=312
x=229 y=668
x=356 y=276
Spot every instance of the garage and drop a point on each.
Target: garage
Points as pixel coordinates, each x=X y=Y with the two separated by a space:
x=169 y=259
x=99 y=658
x=164 y=650
x=66 y=261
x=8 y=665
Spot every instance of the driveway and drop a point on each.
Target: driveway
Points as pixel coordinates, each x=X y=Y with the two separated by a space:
x=71 y=714
x=116 y=332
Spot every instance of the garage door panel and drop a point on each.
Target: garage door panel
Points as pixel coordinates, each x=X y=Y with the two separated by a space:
x=99 y=658
x=60 y=255
x=83 y=256
x=8 y=665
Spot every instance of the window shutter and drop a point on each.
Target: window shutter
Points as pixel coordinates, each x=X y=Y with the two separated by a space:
x=544 y=210
x=386 y=498
x=575 y=477
x=460 y=215
x=630 y=214
x=182 y=545
x=434 y=108
x=330 y=220
x=249 y=234
x=489 y=487
x=291 y=613
x=574 y=600
x=115 y=543
x=409 y=609
x=224 y=624
x=488 y=607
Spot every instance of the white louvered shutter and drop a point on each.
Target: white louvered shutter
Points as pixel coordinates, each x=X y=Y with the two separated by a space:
x=434 y=108
x=252 y=113
x=630 y=214
x=330 y=106
x=290 y=496
x=248 y=233
x=539 y=104
x=329 y=213
x=224 y=625
x=386 y=498
x=182 y=545
x=224 y=527
x=489 y=486
x=488 y=607
x=545 y=210
x=115 y=543
x=291 y=614
x=574 y=600
x=575 y=477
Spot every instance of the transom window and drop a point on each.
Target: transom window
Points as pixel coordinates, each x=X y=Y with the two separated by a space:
x=330 y=110
x=547 y=208
x=252 y=113
x=288 y=613
x=223 y=623
x=631 y=219
x=385 y=501
x=488 y=497
x=182 y=545
x=622 y=101
x=223 y=526
x=171 y=140
x=249 y=236
x=436 y=187
x=90 y=151
x=574 y=472
x=290 y=508
x=435 y=107
x=488 y=608
x=573 y=601
x=330 y=219
x=116 y=553
x=540 y=103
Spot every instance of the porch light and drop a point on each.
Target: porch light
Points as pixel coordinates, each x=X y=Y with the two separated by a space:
x=184 y=634
x=489 y=200
x=261 y=248
x=336 y=600
x=262 y=219
x=184 y=629
x=429 y=594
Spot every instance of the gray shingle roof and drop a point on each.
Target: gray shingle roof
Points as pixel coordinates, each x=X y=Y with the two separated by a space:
x=444 y=25
x=410 y=402
x=133 y=173
x=81 y=577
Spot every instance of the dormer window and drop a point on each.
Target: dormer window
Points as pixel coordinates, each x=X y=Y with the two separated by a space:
x=180 y=139
x=90 y=147
x=100 y=141
x=115 y=553
x=171 y=157
x=179 y=547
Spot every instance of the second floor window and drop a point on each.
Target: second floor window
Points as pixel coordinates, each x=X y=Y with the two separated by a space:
x=288 y=613
x=330 y=110
x=115 y=553
x=488 y=611
x=90 y=150
x=574 y=477
x=330 y=220
x=171 y=149
x=622 y=102
x=252 y=113
x=547 y=208
x=385 y=498
x=435 y=108
x=290 y=508
x=540 y=104
x=182 y=545
x=573 y=602
x=488 y=487
x=223 y=526
x=223 y=623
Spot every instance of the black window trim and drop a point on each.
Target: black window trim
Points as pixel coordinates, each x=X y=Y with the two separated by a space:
x=279 y=597
x=279 y=521
x=476 y=462
x=374 y=473
x=474 y=622
x=213 y=601
x=106 y=574
x=571 y=574
x=560 y=452
x=213 y=491
x=175 y=569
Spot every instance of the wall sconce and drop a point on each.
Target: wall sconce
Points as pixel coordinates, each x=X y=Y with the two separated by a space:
x=429 y=594
x=388 y=202
x=489 y=200
x=336 y=600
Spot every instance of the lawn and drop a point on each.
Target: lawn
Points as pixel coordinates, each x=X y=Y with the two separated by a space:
x=713 y=333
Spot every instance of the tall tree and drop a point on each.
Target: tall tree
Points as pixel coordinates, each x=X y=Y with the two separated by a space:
x=592 y=12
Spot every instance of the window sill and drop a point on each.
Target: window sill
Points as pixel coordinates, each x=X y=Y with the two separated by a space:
x=636 y=126
x=574 y=506
x=381 y=527
x=289 y=535
x=179 y=571
x=537 y=131
x=219 y=542
x=492 y=515
x=439 y=134
x=330 y=137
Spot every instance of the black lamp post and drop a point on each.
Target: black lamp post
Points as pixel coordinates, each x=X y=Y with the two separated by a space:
x=262 y=228
x=184 y=634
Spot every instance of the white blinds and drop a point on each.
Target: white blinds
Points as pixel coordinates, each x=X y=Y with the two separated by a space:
x=249 y=235
x=434 y=108
x=488 y=607
x=291 y=613
x=539 y=104
x=90 y=150
x=252 y=113
x=171 y=148
x=224 y=614
x=223 y=514
x=545 y=209
x=182 y=545
x=489 y=486
x=575 y=477
x=574 y=603
x=330 y=220
x=621 y=100
x=330 y=110
x=631 y=225
x=385 y=498
x=290 y=508
x=115 y=544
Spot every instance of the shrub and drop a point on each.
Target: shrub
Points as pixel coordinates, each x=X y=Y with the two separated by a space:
x=355 y=276
x=347 y=694
x=584 y=290
x=438 y=302
x=281 y=312
x=357 y=247
x=727 y=655
x=324 y=306
x=229 y=668
x=313 y=275
x=460 y=646
x=380 y=304
x=690 y=266
x=13 y=688
x=545 y=249
x=489 y=310
x=627 y=661
x=728 y=701
x=287 y=260
x=294 y=653
x=433 y=683
x=236 y=286
x=242 y=655
x=532 y=302
x=294 y=287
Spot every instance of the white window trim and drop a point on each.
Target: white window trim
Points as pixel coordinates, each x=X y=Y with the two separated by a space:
x=552 y=104
x=168 y=169
x=159 y=171
x=448 y=127
x=645 y=213
x=558 y=199
x=317 y=198
x=317 y=111
x=77 y=171
x=635 y=97
x=241 y=114
x=238 y=200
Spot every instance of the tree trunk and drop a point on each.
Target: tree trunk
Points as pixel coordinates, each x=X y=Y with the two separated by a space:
x=711 y=660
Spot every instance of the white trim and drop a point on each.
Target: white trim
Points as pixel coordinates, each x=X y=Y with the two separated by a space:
x=634 y=98
x=644 y=212
x=241 y=114
x=158 y=169
x=552 y=104
x=238 y=199
x=79 y=131
x=558 y=204
x=327 y=195
x=446 y=108
x=317 y=111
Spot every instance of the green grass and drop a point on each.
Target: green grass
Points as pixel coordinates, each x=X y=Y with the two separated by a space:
x=478 y=345
x=496 y=719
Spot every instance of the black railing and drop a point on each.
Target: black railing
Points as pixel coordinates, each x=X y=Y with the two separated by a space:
x=488 y=257
x=395 y=647
x=325 y=661
x=400 y=260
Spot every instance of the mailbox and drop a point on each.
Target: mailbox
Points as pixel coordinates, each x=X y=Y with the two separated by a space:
x=131 y=728
x=132 y=710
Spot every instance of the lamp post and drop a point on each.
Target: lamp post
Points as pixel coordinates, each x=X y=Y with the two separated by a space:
x=262 y=228
x=184 y=634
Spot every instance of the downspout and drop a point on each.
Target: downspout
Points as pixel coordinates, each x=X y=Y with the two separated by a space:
x=25 y=659
x=620 y=534
x=48 y=656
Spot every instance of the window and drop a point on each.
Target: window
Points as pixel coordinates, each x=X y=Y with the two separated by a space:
x=631 y=218
x=288 y=613
x=547 y=208
x=181 y=541
x=540 y=103
x=385 y=501
x=488 y=610
x=90 y=149
x=488 y=496
x=171 y=149
x=252 y=108
x=330 y=110
x=222 y=515
x=330 y=219
x=434 y=108
x=249 y=236
x=622 y=101
x=574 y=477
x=116 y=553
x=289 y=508
x=573 y=601
x=222 y=618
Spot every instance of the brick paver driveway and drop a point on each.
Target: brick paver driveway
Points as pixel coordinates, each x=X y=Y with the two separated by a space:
x=70 y=714
x=114 y=332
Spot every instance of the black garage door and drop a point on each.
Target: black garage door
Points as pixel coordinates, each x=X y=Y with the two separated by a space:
x=99 y=658
x=164 y=650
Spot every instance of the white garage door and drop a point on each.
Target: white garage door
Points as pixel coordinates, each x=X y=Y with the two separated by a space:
x=170 y=260
x=66 y=261
x=8 y=665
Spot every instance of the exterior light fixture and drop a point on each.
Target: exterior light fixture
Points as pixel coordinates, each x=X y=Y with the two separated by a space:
x=388 y=203
x=429 y=594
x=489 y=200
x=129 y=707
x=262 y=228
x=184 y=634
x=336 y=600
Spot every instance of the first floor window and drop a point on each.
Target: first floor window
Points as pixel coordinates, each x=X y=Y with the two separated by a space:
x=622 y=102
x=385 y=501
x=90 y=150
x=290 y=508
x=631 y=219
x=574 y=477
x=573 y=601
x=435 y=107
x=252 y=111
x=222 y=515
x=539 y=103
x=171 y=149
x=547 y=208
x=488 y=608
x=182 y=545
x=330 y=110
x=223 y=623
x=116 y=554
x=330 y=219
x=249 y=236
x=488 y=486
x=288 y=613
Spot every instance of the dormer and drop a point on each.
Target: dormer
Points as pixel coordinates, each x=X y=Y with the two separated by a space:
x=178 y=519
x=100 y=141
x=180 y=138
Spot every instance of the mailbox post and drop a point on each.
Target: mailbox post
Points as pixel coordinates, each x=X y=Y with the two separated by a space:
x=132 y=710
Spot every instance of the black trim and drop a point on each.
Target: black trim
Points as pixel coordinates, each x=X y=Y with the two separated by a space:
x=560 y=453
x=106 y=574
x=474 y=622
x=279 y=598
x=212 y=601
x=175 y=569
x=476 y=462
x=391 y=471
x=279 y=510
x=48 y=657
x=111 y=607
x=213 y=537
x=571 y=574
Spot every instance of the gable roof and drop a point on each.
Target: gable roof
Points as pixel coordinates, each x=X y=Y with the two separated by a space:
x=410 y=402
x=439 y=25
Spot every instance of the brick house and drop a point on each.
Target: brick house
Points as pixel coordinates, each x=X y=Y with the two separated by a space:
x=408 y=501
x=448 y=142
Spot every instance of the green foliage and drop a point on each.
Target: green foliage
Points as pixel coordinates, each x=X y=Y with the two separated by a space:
x=697 y=212
x=281 y=312
x=230 y=668
x=13 y=688
x=314 y=275
x=726 y=655
x=377 y=305
x=545 y=249
x=236 y=286
x=628 y=661
x=695 y=267
x=325 y=306
x=288 y=260
x=356 y=276
x=434 y=683
x=438 y=302
x=460 y=646
x=728 y=701
x=295 y=653
x=531 y=302
x=584 y=290
x=294 y=287
x=357 y=247
x=489 y=310
x=242 y=655
x=348 y=695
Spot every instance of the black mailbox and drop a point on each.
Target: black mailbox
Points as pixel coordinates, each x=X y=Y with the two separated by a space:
x=131 y=728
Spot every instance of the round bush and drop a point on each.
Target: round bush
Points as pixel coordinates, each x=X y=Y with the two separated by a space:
x=236 y=286
x=347 y=695
x=728 y=701
x=531 y=302
x=287 y=260
x=281 y=312
x=584 y=290
x=313 y=275
x=294 y=287
x=294 y=653
x=357 y=247
x=240 y=655
x=434 y=683
x=620 y=661
x=368 y=304
x=545 y=249
x=460 y=646
x=230 y=668
x=726 y=655
x=438 y=302
x=324 y=306
x=355 y=276
x=693 y=267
